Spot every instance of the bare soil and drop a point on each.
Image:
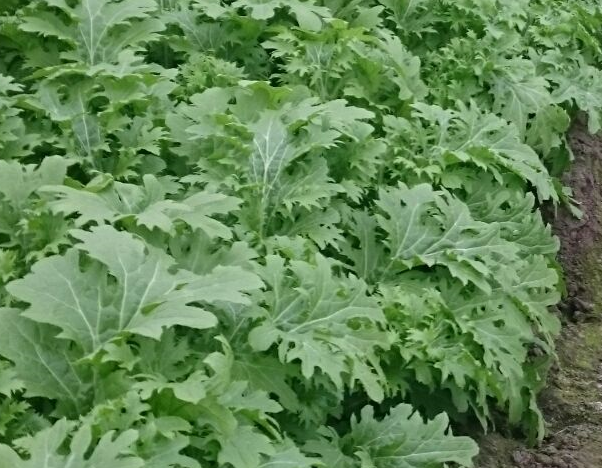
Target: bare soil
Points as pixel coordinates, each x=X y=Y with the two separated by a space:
x=572 y=402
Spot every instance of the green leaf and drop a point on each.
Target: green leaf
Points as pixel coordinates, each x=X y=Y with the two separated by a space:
x=97 y=30
x=43 y=364
x=288 y=454
x=148 y=205
x=309 y=315
x=267 y=374
x=192 y=390
x=425 y=227
x=18 y=182
x=402 y=439
x=277 y=141
x=44 y=447
x=244 y=448
x=518 y=91
x=126 y=288
x=469 y=136
x=580 y=86
x=309 y=16
x=9 y=382
x=166 y=453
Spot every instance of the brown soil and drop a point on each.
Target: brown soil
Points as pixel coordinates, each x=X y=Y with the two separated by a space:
x=572 y=402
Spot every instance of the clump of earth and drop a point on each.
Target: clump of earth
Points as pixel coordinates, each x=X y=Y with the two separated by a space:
x=572 y=403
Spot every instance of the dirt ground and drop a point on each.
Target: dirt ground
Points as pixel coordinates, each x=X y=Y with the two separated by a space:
x=573 y=401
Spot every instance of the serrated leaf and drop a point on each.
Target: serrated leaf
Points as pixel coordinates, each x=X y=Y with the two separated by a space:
x=44 y=449
x=127 y=288
x=43 y=364
x=267 y=374
x=580 y=85
x=519 y=92
x=9 y=381
x=469 y=136
x=309 y=311
x=244 y=448
x=429 y=228
x=402 y=439
x=166 y=453
x=98 y=30
x=309 y=16
x=148 y=205
x=287 y=455
x=18 y=181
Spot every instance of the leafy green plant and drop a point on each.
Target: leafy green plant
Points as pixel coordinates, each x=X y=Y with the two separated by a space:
x=266 y=233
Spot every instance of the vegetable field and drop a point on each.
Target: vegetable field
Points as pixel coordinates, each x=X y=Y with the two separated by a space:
x=269 y=233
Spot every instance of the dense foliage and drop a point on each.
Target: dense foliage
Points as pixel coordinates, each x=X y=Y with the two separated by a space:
x=268 y=233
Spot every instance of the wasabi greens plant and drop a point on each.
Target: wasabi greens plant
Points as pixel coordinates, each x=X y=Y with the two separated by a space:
x=267 y=233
